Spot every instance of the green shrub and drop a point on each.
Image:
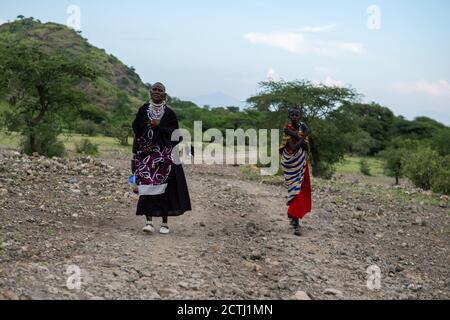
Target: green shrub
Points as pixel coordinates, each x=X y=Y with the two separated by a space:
x=422 y=166
x=440 y=182
x=428 y=170
x=86 y=147
x=325 y=170
x=364 y=167
x=88 y=127
x=45 y=140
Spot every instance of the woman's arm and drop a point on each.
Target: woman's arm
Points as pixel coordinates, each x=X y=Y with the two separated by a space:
x=302 y=143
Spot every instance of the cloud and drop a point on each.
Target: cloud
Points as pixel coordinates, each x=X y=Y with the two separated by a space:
x=317 y=29
x=330 y=82
x=2 y=21
x=272 y=75
x=299 y=43
x=439 y=88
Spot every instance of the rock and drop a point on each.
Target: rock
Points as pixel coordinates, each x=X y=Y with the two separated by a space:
x=183 y=285
x=333 y=292
x=301 y=295
x=72 y=181
x=252 y=266
x=168 y=292
x=255 y=255
x=359 y=208
x=419 y=222
x=9 y=295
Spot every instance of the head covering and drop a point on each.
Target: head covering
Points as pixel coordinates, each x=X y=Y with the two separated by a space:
x=294 y=110
x=158 y=85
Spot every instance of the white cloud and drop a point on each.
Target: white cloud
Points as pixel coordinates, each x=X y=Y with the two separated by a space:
x=299 y=43
x=330 y=82
x=317 y=29
x=272 y=75
x=2 y=21
x=439 y=88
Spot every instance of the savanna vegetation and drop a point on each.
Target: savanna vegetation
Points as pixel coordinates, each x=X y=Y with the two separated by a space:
x=53 y=82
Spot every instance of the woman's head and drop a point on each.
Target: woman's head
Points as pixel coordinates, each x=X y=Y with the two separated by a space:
x=158 y=93
x=295 y=114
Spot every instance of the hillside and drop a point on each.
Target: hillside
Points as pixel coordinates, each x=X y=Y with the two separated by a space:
x=115 y=76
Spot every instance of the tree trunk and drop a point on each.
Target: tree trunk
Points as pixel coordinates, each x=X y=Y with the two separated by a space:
x=396 y=180
x=32 y=138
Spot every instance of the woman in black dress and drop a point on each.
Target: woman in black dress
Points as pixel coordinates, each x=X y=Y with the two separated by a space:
x=162 y=185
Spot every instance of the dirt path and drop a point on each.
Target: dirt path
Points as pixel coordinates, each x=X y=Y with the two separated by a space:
x=236 y=243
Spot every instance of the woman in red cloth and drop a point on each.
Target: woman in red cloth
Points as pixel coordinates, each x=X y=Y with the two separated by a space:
x=294 y=151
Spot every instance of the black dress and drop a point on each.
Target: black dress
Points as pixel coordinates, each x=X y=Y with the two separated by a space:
x=175 y=201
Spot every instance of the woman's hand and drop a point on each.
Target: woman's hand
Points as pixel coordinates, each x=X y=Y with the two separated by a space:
x=291 y=132
x=154 y=123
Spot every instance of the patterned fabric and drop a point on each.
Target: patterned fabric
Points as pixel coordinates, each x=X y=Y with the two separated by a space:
x=153 y=163
x=294 y=165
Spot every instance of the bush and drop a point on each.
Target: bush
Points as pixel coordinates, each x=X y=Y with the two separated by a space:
x=327 y=148
x=441 y=141
x=364 y=167
x=45 y=140
x=88 y=127
x=325 y=170
x=422 y=166
x=396 y=155
x=86 y=147
x=440 y=182
x=428 y=170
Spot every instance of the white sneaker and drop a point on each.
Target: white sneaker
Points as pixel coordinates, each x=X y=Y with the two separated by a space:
x=164 y=229
x=149 y=228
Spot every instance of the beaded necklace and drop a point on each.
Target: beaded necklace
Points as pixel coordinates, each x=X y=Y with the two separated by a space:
x=156 y=111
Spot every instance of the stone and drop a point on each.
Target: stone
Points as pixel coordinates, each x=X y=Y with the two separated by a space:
x=72 y=180
x=168 y=292
x=301 y=295
x=255 y=255
x=333 y=292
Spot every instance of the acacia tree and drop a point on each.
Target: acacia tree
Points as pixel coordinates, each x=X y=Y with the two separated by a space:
x=40 y=86
x=318 y=103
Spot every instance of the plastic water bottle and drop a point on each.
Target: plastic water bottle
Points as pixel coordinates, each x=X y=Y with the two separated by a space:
x=133 y=184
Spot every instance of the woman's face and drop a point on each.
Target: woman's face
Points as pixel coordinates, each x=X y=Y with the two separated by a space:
x=295 y=116
x=158 y=94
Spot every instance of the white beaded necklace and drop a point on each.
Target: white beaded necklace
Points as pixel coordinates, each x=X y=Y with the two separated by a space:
x=156 y=111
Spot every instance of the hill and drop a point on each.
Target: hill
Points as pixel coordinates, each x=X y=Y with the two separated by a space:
x=115 y=77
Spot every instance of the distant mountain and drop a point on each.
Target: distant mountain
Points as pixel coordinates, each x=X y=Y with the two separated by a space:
x=115 y=77
x=217 y=99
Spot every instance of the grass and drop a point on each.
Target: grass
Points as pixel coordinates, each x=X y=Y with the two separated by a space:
x=107 y=145
x=350 y=165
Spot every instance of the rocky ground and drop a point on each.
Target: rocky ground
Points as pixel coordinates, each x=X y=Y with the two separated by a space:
x=60 y=216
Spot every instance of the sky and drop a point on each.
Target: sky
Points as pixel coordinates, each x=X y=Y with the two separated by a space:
x=393 y=52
